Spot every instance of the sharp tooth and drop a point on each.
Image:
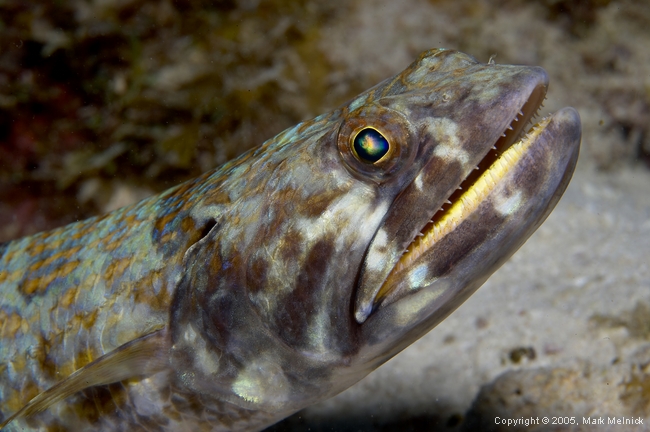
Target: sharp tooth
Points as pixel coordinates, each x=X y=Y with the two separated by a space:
x=493 y=148
x=521 y=113
x=516 y=119
x=503 y=134
x=460 y=188
x=448 y=202
x=510 y=127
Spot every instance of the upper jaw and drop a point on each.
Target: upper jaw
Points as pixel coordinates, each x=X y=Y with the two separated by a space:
x=434 y=284
x=507 y=102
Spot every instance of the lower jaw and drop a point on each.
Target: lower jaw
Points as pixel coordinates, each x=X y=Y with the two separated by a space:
x=444 y=243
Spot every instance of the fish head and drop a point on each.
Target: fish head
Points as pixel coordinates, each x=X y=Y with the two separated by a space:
x=332 y=247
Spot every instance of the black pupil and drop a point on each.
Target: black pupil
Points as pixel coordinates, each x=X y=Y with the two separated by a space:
x=370 y=145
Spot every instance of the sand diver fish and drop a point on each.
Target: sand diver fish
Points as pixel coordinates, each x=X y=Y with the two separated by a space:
x=285 y=276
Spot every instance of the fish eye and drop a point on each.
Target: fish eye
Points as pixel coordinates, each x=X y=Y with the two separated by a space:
x=370 y=145
x=376 y=143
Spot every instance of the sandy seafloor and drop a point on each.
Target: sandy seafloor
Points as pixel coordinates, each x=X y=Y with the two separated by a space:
x=562 y=330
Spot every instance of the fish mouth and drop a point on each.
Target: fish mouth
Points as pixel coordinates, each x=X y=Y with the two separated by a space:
x=504 y=154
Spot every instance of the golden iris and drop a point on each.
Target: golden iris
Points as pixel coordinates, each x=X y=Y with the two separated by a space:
x=370 y=145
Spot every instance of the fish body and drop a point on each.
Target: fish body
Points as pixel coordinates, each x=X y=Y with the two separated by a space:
x=287 y=275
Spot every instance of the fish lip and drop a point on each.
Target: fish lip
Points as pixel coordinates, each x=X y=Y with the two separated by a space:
x=537 y=135
x=512 y=134
x=363 y=308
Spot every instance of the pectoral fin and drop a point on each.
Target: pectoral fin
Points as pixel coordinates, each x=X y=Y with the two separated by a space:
x=144 y=356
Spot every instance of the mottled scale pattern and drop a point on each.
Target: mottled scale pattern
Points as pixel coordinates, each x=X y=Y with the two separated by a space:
x=242 y=296
x=75 y=293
